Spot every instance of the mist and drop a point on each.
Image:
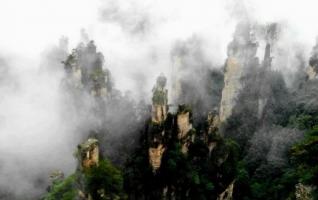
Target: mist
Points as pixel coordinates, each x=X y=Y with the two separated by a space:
x=41 y=124
x=35 y=138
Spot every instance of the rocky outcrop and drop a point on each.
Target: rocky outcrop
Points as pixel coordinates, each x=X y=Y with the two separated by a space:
x=243 y=70
x=303 y=192
x=241 y=55
x=312 y=70
x=312 y=73
x=158 y=116
x=157 y=137
x=184 y=125
x=228 y=193
x=232 y=86
x=88 y=156
x=213 y=122
x=84 y=70
x=76 y=186
x=159 y=113
x=155 y=156
x=88 y=153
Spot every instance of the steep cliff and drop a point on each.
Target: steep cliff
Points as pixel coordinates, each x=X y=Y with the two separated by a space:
x=241 y=56
x=158 y=117
x=84 y=70
x=246 y=80
x=184 y=124
x=158 y=133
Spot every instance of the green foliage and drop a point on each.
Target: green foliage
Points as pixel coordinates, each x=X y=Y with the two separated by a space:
x=170 y=170
x=138 y=174
x=301 y=168
x=209 y=186
x=62 y=190
x=242 y=173
x=104 y=181
x=97 y=74
x=259 y=189
x=303 y=121
x=304 y=157
x=188 y=174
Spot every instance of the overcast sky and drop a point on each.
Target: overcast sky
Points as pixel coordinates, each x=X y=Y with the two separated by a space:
x=29 y=27
x=37 y=23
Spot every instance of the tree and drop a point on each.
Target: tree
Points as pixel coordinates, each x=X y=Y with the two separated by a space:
x=104 y=181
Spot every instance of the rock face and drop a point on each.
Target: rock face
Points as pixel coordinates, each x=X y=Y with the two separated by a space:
x=213 y=122
x=159 y=113
x=232 y=86
x=88 y=153
x=241 y=55
x=312 y=74
x=312 y=70
x=184 y=125
x=155 y=155
x=242 y=68
x=88 y=156
x=303 y=192
x=158 y=117
x=160 y=100
x=157 y=133
x=228 y=193
x=158 y=138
